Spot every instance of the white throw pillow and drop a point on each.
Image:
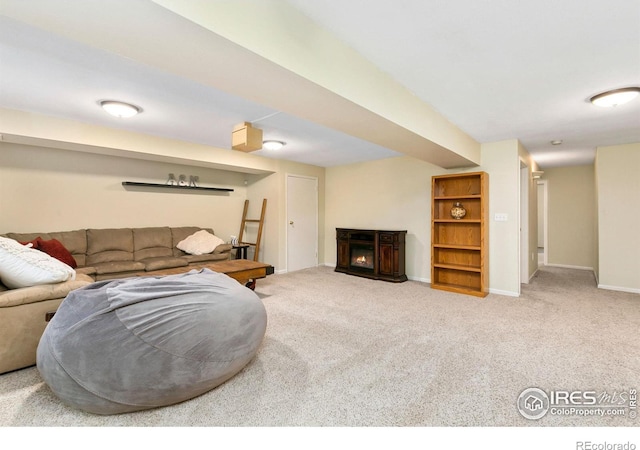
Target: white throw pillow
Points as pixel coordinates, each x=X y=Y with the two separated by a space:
x=21 y=266
x=199 y=243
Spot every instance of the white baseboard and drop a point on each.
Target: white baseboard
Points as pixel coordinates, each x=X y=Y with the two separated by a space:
x=567 y=266
x=422 y=280
x=501 y=292
x=619 y=288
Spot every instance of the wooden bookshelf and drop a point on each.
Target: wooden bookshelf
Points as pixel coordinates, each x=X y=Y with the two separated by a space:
x=460 y=247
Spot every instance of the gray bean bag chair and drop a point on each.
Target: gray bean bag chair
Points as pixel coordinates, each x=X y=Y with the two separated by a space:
x=139 y=343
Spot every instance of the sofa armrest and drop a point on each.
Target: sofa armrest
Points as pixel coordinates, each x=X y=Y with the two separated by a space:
x=88 y=270
x=223 y=248
x=33 y=294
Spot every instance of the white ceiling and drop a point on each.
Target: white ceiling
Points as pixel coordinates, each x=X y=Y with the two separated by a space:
x=501 y=70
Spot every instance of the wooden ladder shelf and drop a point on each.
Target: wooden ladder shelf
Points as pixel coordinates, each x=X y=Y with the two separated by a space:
x=260 y=223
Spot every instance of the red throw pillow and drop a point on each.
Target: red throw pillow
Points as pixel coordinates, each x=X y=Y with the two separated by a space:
x=55 y=249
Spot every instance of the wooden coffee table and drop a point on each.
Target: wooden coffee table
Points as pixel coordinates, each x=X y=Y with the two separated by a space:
x=242 y=270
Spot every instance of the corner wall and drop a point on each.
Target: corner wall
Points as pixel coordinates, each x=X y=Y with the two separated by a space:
x=618 y=201
x=501 y=161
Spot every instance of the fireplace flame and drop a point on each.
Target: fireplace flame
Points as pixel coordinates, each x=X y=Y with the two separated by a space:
x=361 y=260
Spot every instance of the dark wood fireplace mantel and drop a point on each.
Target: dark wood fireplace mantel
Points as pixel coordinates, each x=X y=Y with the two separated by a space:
x=377 y=254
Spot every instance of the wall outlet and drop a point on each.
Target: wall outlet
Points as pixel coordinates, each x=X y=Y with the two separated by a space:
x=501 y=217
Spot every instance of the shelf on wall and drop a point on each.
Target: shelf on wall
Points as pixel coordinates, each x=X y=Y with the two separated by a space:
x=172 y=186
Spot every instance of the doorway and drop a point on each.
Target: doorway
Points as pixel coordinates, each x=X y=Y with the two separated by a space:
x=302 y=222
x=543 y=224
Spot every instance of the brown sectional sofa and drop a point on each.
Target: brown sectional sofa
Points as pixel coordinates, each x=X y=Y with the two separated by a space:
x=123 y=252
x=101 y=254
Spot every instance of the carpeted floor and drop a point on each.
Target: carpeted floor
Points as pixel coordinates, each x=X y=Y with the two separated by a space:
x=348 y=351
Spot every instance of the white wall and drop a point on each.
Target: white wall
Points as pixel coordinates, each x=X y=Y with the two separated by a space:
x=618 y=204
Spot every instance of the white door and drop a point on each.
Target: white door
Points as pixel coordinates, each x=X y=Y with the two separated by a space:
x=302 y=222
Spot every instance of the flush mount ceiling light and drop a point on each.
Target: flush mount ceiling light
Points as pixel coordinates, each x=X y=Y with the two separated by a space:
x=615 y=97
x=556 y=142
x=273 y=145
x=120 y=109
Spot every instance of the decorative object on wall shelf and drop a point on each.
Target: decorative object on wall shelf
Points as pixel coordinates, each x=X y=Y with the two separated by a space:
x=182 y=180
x=193 y=180
x=169 y=186
x=458 y=211
x=171 y=181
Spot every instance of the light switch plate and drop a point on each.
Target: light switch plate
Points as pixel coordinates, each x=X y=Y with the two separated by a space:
x=501 y=217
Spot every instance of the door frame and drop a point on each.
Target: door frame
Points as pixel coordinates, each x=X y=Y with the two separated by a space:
x=545 y=218
x=288 y=176
x=524 y=262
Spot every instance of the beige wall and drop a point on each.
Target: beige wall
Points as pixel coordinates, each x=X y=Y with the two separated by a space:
x=44 y=189
x=617 y=173
x=273 y=188
x=48 y=189
x=395 y=193
x=82 y=167
x=392 y=194
x=541 y=206
x=572 y=214
x=501 y=161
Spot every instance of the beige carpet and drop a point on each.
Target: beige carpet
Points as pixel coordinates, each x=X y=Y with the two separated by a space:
x=347 y=351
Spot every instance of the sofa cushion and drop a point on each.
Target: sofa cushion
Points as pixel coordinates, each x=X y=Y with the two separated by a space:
x=223 y=248
x=118 y=267
x=55 y=249
x=109 y=244
x=164 y=262
x=75 y=241
x=206 y=257
x=27 y=237
x=33 y=294
x=199 y=243
x=152 y=242
x=180 y=233
x=21 y=266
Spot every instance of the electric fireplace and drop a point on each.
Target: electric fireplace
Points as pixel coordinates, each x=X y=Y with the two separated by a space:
x=374 y=254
